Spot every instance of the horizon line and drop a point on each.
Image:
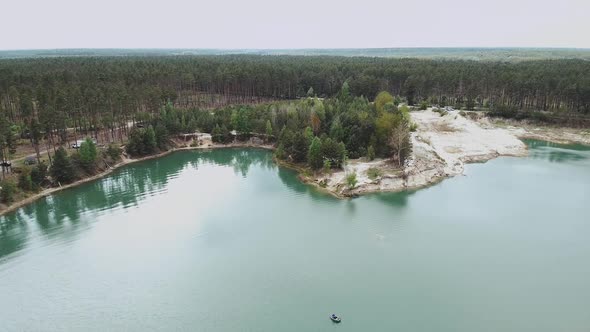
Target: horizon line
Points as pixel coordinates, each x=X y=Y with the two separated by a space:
x=299 y=48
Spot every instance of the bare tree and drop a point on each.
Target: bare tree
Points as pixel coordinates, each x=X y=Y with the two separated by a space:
x=399 y=141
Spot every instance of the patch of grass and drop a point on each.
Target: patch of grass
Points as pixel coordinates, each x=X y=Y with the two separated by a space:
x=373 y=173
x=473 y=115
x=445 y=127
x=423 y=105
x=440 y=111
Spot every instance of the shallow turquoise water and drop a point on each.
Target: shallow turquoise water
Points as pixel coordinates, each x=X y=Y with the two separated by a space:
x=226 y=241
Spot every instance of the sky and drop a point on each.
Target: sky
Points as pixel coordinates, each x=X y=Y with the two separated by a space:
x=264 y=24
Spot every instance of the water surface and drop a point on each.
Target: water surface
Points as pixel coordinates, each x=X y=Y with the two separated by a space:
x=227 y=241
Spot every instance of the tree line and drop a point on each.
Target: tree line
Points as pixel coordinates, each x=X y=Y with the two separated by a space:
x=101 y=95
x=342 y=127
x=104 y=90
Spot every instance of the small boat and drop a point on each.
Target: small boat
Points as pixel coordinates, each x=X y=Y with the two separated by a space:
x=335 y=318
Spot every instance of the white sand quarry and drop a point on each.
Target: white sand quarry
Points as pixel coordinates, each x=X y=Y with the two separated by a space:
x=441 y=147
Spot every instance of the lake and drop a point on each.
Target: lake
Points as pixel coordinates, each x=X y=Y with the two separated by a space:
x=225 y=240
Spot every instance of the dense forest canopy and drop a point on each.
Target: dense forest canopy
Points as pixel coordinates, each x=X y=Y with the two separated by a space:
x=115 y=85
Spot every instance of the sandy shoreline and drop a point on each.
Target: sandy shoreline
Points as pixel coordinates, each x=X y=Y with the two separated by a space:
x=525 y=130
x=442 y=145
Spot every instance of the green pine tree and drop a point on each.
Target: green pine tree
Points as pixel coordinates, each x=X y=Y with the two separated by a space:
x=268 y=130
x=88 y=154
x=314 y=155
x=62 y=169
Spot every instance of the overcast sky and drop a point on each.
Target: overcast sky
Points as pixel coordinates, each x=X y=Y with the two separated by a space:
x=29 y=24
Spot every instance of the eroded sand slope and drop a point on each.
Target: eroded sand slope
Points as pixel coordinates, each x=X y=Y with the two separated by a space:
x=441 y=147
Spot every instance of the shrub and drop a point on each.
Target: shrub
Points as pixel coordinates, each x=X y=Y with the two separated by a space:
x=142 y=141
x=390 y=107
x=327 y=166
x=351 y=180
x=440 y=111
x=503 y=111
x=7 y=192
x=24 y=180
x=268 y=127
x=280 y=152
x=39 y=175
x=220 y=134
x=335 y=152
x=373 y=173
x=114 y=152
x=382 y=99
x=371 y=153
x=423 y=105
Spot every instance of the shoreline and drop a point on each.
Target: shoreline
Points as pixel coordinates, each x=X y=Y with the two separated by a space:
x=437 y=155
x=373 y=187
x=442 y=145
x=551 y=139
x=124 y=162
x=524 y=129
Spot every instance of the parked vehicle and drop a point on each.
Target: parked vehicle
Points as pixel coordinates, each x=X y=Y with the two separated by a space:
x=78 y=143
x=30 y=160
